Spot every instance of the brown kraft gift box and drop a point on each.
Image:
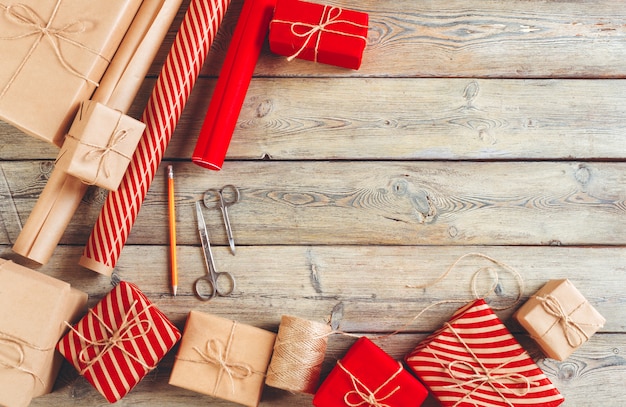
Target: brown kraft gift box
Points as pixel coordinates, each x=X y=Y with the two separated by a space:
x=559 y=318
x=33 y=310
x=223 y=358
x=54 y=54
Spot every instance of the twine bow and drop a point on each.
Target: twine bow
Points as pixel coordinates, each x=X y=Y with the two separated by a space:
x=364 y=395
x=15 y=346
x=329 y=17
x=499 y=382
x=115 y=338
x=24 y=15
x=574 y=334
x=216 y=353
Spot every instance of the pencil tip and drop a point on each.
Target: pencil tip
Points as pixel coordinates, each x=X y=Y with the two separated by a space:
x=174 y=289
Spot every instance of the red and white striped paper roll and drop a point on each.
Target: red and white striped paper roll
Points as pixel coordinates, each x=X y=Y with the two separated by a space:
x=474 y=360
x=164 y=108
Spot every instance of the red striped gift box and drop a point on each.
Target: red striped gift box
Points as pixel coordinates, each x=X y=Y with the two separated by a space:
x=473 y=360
x=119 y=341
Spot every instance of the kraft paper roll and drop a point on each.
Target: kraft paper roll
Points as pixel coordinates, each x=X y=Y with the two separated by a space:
x=232 y=84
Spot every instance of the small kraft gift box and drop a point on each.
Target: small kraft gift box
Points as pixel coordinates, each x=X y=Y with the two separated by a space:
x=54 y=53
x=367 y=376
x=119 y=341
x=99 y=145
x=33 y=310
x=320 y=33
x=559 y=318
x=222 y=358
x=473 y=360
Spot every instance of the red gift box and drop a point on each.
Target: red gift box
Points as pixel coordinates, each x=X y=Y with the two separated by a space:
x=119 y=341
x=320 y=33
x=367 y=376
x=474 y=360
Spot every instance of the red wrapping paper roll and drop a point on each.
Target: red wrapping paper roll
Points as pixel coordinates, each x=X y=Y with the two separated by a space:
x=167 y=101
x=232 y=84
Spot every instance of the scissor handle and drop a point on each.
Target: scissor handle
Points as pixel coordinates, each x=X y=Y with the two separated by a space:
x=226 y=196
x=213 y=286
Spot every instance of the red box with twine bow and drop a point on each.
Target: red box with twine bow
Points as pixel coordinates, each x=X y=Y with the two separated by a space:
x=119 y=341
x=474 y=360
x=367 y=376
x=320 y=33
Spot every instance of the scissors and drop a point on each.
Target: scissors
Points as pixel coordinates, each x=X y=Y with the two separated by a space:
x=208 y=286
x=227 y=196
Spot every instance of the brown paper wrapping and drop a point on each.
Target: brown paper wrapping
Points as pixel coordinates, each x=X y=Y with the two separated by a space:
x=63 y=193
x=33 y=309
x=99 y=145
x=43 y=77
x=245 y=353
x=559 y=336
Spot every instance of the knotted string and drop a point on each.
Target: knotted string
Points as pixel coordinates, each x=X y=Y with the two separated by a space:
x=116 y=338
x=100 y=153
x=24 y=15
x=499 y=382
x=217 y=354
x=366 y=396
x=16 y=346
x=573 y=331
x=316 y=30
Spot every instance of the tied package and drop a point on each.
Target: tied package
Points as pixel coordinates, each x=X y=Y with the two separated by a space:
x=222 y=358
x=119 y=341
x=559 y=318
x=33 y=311
x=99 y=145
x=474 y=360
x=367 y=376
x=54 y=53
x=320 y=33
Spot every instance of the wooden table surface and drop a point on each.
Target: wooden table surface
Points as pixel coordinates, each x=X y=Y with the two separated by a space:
x=472 y=126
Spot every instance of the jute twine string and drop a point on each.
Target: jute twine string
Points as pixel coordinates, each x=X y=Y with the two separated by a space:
x=299 y=351
x=24 y=15
x=573 y=331
x=101 y=153
x=301 y=345
x=329 y=17
x=17 y=347
x=498 y=380
x=365 y=396
x=116 y=337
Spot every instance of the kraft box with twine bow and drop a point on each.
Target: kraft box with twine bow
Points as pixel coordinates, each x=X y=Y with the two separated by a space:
x=474 y=360
x=119 y=341
x=367 y=376
x=559 y=318
x=33 y=308
x=321 y=33
x=99 y=145
x=54 y=53
x=222 y=358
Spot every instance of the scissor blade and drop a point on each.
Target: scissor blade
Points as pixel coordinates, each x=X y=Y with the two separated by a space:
x=200 y=218
x=204 y=238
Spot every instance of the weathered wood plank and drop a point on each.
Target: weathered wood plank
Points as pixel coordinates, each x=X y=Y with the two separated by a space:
x=383 y=202
x=523 y=39
x=366 y=286
x=380 y=118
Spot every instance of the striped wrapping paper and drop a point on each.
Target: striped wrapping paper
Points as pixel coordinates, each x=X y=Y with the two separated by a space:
x=163 y=110
x=119 y=341
x=473 y=360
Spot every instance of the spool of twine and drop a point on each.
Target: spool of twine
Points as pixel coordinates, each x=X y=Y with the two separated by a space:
x=299 y=351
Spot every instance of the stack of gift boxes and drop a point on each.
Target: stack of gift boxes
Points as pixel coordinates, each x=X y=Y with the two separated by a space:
x=59 y=53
